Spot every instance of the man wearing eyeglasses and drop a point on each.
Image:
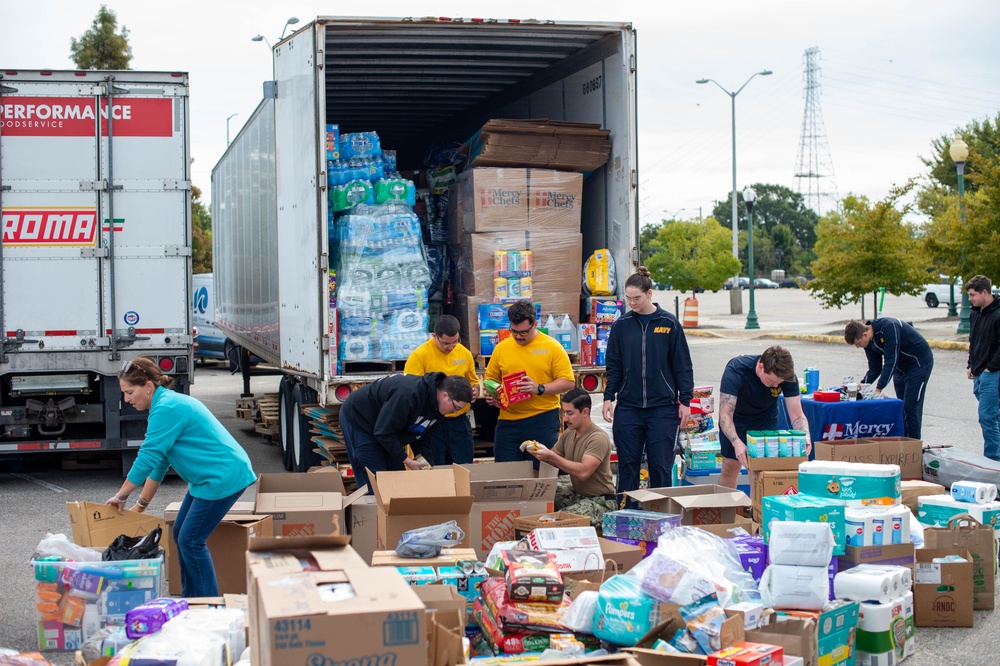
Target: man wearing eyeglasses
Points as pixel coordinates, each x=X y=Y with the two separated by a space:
x=380 y=419
x=548 y=373
x=451 y=441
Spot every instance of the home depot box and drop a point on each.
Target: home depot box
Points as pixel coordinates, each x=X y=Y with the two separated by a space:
x=304 y=504
x=525 y=524
x=503 y=492
x=697 y=505
x=227 y=545
x=555 y=199
x=766 y=484
x=97 y=525
x=349 y=615
x=942 y=591
x=557 y=250
x=408 y=500
x=903 y=451
x=491 y=199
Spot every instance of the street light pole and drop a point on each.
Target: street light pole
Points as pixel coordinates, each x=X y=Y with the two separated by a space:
x=749 y=196
x=959 y=153
x=736 y=251
x=227 y=127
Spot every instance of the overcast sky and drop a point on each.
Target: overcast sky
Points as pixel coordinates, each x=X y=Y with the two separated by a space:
x=895 y=74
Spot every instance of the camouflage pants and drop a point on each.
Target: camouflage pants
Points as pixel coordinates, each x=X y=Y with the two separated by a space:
x=591 y=507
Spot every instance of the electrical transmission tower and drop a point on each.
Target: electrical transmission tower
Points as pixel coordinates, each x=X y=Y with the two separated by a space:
x=814 y=168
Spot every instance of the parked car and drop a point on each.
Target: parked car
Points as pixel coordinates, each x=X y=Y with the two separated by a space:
x=764 y=283
x=744 y=283
x=789 y=283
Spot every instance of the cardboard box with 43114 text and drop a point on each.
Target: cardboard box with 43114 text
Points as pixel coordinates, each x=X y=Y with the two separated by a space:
x=304 y=504
x=408 y=500
x=697 y=505
x=97 y=525
x=336 y=610
x=503 y=492
x=227 y=544
x=903 y=451
x=942 y=591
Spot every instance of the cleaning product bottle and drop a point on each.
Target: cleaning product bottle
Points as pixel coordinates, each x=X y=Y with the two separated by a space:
x=574 y=335
x=550 y=326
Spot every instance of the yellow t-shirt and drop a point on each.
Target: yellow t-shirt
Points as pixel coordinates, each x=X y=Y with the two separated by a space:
x=429 y=358
x=543 y=359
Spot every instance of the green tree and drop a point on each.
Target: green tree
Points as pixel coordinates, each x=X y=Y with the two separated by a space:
x=201 y=234
x=648 y=245
x=775 y=205
x=981 y=232
x=693 y=254
x=983 y=138
x=102 y=47
x=865 y=247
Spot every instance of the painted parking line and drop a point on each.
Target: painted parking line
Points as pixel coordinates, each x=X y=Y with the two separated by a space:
x=45 y=484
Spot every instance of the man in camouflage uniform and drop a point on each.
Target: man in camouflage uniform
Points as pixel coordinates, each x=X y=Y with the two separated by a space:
x=583 y=451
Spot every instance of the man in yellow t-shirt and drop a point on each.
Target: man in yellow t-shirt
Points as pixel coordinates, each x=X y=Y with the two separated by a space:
x=451 y=441
x=548 y=373
x=584 y=452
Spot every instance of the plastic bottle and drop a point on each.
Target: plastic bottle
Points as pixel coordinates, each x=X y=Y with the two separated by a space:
x=550 y=327
x=574 y=335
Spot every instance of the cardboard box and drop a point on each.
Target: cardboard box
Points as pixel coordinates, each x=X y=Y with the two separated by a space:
x=911 y=489
x=903 y=451
x=555 y=199
x=942 y=592
x=446 y=623
x=447 y=558
x=798 y=637
x=503 y=492
x=304 y=504
x=776 y=464
x=726 y=530
x=227 y=545
x=98 y=525
x=408 y=500
x=809 y=509
x=362 y=519
x=385 y=621
x=525 y=524
x=557 y=250
x=835 y=633
x=492 y=199
x=730 y=633
x=697 y=505
x=899 y=554
x=766 y=484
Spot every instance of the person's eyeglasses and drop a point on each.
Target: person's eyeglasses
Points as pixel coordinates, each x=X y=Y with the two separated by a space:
x=454 y=407
x=635 y=299
x=522 y=334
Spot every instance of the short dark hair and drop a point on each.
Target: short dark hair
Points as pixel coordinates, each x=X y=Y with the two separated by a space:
x=578 y=397
x=640 y=279
x=854 y=330
x=521 y=311
x=777 y=361
x=457 y=388
x=979 y=283
x=446 y=325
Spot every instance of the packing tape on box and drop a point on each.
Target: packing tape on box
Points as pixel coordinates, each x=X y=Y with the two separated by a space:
x=865 y=584
x=800 y=543
x=788 y=587
x=974 y=492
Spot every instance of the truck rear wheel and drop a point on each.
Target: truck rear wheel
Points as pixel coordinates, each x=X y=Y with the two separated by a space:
x=301 y=442
x=285 y=414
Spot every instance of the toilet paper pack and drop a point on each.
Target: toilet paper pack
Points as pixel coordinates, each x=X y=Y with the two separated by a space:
x=790 y=587
x=886 y=632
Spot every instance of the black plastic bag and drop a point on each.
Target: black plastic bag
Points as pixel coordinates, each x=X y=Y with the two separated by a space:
x=134 y=548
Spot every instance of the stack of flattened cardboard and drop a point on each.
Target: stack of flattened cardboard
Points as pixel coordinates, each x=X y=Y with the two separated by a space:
x=550 y=144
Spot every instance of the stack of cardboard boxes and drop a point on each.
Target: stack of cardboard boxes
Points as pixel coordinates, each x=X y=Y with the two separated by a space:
x=496 y=210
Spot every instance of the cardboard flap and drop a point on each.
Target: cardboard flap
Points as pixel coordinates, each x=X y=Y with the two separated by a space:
x=299 y=483
x=429 y=506
x=264 y=544
x=98 y=525
x=512 y=482
x=735 y=498
x=355 y=496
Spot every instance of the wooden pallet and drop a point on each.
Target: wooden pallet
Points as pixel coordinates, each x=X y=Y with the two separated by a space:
x=246 y=408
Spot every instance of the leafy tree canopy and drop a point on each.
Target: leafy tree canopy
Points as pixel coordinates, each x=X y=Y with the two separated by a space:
x=775 y=205
x=983 y=139
x=201 y=234
x=693 y=254
x=865 y=247
x=102 y=47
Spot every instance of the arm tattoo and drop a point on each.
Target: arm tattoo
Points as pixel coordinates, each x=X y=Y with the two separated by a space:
x=801 y=423
x=727 y=406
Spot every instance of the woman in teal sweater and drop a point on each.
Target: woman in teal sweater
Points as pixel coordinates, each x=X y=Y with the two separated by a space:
x=182 y=433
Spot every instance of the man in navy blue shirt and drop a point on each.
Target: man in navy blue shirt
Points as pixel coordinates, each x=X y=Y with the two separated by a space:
x=749 y=401
x=895 y=350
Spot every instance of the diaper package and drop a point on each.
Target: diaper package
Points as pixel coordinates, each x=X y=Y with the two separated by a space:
x=624 y=614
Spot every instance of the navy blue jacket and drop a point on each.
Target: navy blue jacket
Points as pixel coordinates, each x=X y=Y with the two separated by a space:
x=895 y=347
x=651 y=366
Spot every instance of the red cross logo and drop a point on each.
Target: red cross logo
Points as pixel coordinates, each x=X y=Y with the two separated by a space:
x=833 y=431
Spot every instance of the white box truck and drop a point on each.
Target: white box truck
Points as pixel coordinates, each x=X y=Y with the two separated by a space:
x=414 y=81
x=95 y=263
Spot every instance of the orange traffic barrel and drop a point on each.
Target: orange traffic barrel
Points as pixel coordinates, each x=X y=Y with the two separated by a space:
x=690 y=312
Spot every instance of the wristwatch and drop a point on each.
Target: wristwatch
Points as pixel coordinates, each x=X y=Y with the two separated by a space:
x=541 y=389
